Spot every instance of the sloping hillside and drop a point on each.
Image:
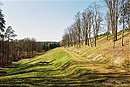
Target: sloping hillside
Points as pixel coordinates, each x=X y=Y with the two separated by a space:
x=104 y=53
x=60 y=67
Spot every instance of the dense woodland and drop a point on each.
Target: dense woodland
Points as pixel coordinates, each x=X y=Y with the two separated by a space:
x=92 y=22
x=12 y=49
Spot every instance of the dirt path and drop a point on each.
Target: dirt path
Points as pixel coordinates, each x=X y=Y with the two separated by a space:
x=90 y=64
x=75 y=56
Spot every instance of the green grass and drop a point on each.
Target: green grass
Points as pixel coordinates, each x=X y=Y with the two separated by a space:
x=56 y=68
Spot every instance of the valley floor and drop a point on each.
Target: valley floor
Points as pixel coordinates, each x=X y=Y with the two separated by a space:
x=62 y=67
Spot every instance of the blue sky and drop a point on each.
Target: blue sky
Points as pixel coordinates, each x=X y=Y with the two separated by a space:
x=44 y=20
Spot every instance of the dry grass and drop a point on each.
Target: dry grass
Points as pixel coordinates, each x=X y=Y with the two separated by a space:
x=104 y=52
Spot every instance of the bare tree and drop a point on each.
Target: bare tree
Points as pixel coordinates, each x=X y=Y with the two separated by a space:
x=128 y=13
x=66 y=39
x=85 y=27
x=9 y=34
x=96 y=21
x=107 y=18
x=123 y=22
x=113 y=13
x=87 y=22
x=74 y=33
x=78 y=26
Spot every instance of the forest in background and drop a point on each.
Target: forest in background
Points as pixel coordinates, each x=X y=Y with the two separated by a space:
x=12 y=49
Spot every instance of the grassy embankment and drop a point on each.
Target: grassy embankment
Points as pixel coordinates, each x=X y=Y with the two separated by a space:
x=104 y=53
x=88 y=66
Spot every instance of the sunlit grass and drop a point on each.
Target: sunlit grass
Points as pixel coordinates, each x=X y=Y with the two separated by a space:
x=60 y=68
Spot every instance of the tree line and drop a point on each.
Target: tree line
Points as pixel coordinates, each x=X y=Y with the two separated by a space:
x=90 y=23
x=12 y=49
x=50 y=45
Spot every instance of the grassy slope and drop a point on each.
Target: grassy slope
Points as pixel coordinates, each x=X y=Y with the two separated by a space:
x=70 y=67
x=104 y=52
x=59 y=68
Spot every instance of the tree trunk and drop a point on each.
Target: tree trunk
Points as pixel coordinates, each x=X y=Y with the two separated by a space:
x=116 y=20
x=8 y=51
x=86 y=38
x=123 y=22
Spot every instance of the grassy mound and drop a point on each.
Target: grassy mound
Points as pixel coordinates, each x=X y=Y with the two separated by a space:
x=56 y=68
